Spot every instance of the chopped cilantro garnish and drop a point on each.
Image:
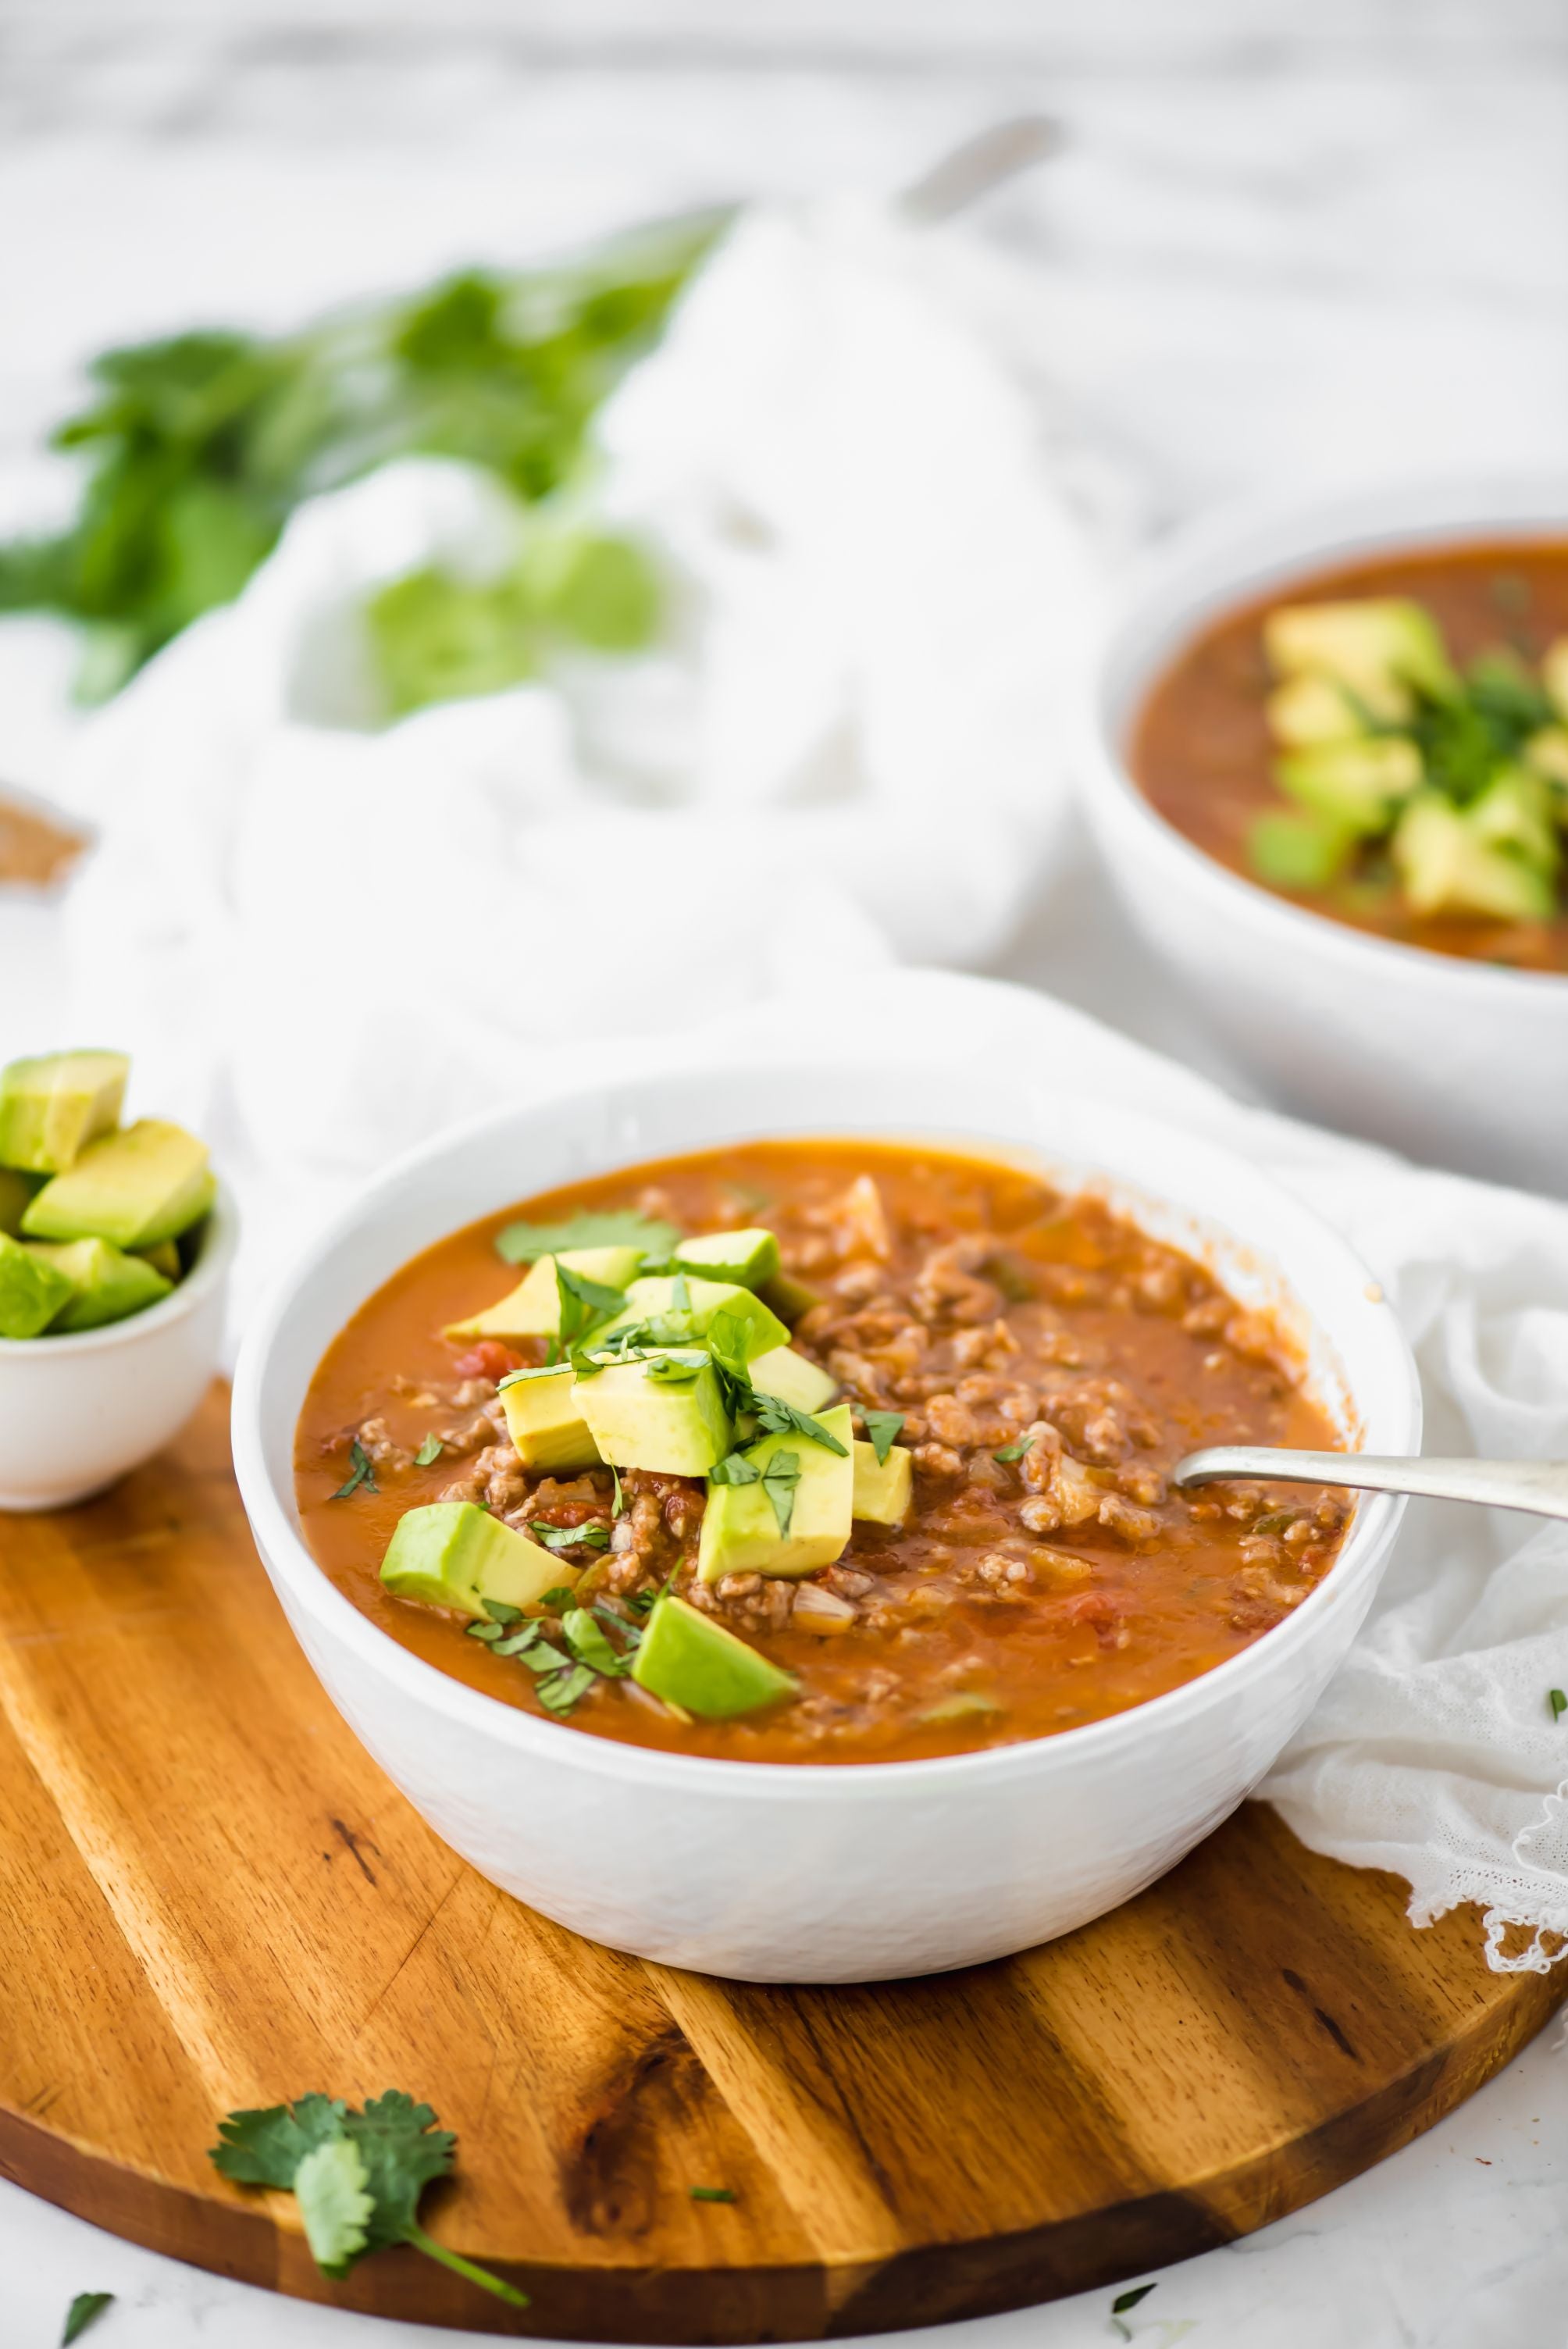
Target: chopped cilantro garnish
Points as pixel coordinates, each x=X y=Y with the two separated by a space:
x=430 y=1452
x=670 y=1369
x=518 y=1643
x=583 y=1301
x=589 y=1536
x=780 y=1479
x=559 y=1595
x=362 y=1471
x=781 y=1418
x=1011 y=1452
x=562 y=1691
x=1558 y=1702
x=711 y=2193
x=884 y=1429
x=734 y=1469
x=525 y=1242
x=620 y=1505
x=358 y=2176
x=588 y=1642
x=501 y=1610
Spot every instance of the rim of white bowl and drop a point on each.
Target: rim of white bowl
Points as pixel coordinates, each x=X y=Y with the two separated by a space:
x=1459 y=509
x=220 y=1237
x=283 y=1547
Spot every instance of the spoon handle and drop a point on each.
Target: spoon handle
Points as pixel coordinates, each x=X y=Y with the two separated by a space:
x=1539 y=1487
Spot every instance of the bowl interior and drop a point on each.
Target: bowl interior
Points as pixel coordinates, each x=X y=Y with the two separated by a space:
x=1210 y=570
x=1266 y=1247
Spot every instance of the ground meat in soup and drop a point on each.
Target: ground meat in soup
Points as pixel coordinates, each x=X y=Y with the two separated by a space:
x=1051 y=1364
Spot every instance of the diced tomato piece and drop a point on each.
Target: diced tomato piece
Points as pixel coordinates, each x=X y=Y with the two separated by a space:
x=488 y=1359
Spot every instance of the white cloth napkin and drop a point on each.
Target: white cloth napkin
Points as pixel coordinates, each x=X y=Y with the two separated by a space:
x=323 y=942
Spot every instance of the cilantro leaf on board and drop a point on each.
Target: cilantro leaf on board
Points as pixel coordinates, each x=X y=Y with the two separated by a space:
x=711 y=2193
x=330 y=2188
x=85 y=2310
x=430 y=1452
x=780 y=1479
x=266 y=2147
x=884 y=1429
x=358 y=2174
x=1558 y=1702
x=362 y=1471
x=525 y=1242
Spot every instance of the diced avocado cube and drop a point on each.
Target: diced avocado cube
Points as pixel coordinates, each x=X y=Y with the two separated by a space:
x=1546 y=753
x=694 y=1304
x=454 y=1553
x=662 y=1410
x=792 y=1378
x=1376 y=648
x=149 y=1183
x=545 y=1421
x=16 y=1190
x=1291 y=849
x=532 y=1309
x=164 y=1256
x=748 y=1258
x=31 y=1291
x=1554 y=675
x=1354 y=785
x=788 y=1296
x=1446 y=867
x=741 y=1533
x=106 y=1284
x=1306 y=710
x=883 y=1489
x=52 y=1107
x=689 y=1660
x=1514 y=811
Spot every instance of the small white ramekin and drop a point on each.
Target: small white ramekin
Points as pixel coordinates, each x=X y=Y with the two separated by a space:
x=78 y=1411
x=812 y=1873
x=1456 y=1063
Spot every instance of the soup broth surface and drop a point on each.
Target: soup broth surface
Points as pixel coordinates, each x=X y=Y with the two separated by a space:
x=1023 y=1595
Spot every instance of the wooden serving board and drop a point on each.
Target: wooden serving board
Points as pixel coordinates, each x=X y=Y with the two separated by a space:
x=210 y=1896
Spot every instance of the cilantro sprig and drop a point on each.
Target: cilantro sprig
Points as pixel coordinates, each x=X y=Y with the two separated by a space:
x=357 y=2175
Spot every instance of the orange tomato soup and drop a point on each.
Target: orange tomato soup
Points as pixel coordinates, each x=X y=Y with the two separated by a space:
x=1024 y=1593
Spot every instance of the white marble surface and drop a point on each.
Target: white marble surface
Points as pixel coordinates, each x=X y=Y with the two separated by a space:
x=1277 y=243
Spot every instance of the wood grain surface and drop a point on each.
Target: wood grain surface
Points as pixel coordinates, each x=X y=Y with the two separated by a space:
x=210 y=1896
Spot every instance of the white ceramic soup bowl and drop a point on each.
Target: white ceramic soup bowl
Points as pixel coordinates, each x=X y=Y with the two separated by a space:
x=780 y=1872
x=1456 y=1063
x=78 y=1411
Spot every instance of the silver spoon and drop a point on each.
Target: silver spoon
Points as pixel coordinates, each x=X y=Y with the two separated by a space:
x=1539 y=1487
